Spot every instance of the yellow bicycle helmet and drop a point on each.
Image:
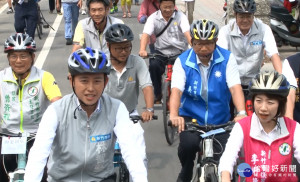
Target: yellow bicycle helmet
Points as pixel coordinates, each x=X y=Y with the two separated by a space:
x=204 y=30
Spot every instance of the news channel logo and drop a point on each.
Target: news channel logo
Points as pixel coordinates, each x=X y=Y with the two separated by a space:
x=244 y=170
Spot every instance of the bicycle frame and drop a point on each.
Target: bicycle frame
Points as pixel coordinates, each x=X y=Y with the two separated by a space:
x=248 y=101
x=19 y=173
x=206 y=152
x=118 y=159
x=166 y=92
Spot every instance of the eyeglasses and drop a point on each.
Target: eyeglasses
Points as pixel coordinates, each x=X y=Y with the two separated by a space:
x=120 y=49
x=22 y=57
x=245 y=16
x=204 y=44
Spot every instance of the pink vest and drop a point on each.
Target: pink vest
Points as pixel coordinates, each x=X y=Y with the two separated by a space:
x=270 y=163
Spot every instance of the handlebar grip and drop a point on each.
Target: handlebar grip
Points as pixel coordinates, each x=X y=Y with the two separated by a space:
x=154 y=117
x=170 y=123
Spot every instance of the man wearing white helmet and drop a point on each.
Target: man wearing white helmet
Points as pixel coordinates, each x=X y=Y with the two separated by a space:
x=25 y=93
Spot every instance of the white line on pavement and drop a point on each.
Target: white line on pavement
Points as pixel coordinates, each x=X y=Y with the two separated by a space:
x=48 y=43
x=3 y=8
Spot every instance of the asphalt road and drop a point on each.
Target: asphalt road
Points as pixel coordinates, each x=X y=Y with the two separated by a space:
x=52 y=56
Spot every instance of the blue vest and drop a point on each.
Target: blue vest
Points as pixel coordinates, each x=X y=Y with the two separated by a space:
x=216 y=110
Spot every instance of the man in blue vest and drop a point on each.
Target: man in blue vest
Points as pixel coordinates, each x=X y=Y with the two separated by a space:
x=204 y=79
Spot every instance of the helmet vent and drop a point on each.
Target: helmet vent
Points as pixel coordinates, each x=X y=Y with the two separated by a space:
x=93 y=61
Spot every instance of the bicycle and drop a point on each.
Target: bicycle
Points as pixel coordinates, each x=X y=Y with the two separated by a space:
x=248 y=101
x=41 y=23
x=123 y=173
x=166 y=92
x=21 y=138
x=206 y=152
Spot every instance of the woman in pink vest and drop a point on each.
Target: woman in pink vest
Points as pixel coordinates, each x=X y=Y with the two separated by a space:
x=269 y=140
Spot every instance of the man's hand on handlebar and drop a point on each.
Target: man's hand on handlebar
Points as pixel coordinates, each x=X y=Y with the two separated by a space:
x=178 y=121
x=143 y=53
x=147 y=116
x=238 y=117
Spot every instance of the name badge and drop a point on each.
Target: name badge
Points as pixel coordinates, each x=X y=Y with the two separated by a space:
x=13 y=145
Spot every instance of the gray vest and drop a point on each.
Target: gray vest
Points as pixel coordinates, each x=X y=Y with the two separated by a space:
x=92 y=37
x=79 y=152
x=22 y=110
x=172 y=41
x=249 y=58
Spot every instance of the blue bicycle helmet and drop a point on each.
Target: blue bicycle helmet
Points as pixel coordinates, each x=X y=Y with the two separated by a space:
x=88 y=61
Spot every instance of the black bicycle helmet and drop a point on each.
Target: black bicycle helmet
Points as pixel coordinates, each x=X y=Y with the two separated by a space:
x=88 y=61
x=270 y=83
x=244 y=6
x=19 y=42
x=167 y=0
x=204 y=30
x=118 y=33
x=105 y=2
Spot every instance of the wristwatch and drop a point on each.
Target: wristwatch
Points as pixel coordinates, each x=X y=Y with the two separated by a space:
x=150 y=109
x=242 y=112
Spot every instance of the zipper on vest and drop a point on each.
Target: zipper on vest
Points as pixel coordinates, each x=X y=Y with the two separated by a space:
x=269 y=155
x=85 y=146
x=88 y=124
x=21 y=90
x=20 y=93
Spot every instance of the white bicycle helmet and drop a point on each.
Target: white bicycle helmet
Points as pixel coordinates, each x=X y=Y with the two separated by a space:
x=19 y=42
x=270 y=83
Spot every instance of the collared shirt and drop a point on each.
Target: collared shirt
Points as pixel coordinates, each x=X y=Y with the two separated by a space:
x=173 y=40
x=268 y=39
x=119 y=74
x=47 y=131
x=126 y=85
x=235 y=142
x=179 y=78
x=288 y=72
x=49 y=85
x=150 y=24
x=98 y=108
x=244 y=37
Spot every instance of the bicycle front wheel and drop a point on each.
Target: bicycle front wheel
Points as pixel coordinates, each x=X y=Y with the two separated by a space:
x=123 y=173
x=210 y=174
x=39 y=30
x=169 y=130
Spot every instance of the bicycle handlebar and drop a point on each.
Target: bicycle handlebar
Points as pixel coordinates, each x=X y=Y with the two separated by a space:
x=2 y=134
x=154 y=55
x=136 y=118
x=194 y=126
x=191 y=126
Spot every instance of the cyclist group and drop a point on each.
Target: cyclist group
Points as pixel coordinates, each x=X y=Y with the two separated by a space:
x=76 y=133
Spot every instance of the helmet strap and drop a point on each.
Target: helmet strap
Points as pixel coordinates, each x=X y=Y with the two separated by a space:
x=102 y=23
x=113 y=57
x=80 y=101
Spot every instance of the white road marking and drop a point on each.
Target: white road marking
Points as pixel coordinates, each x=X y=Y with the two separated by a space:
x=3 y=8
x=48 y=43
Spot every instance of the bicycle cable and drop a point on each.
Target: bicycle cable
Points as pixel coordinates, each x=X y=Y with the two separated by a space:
x=214 y=139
